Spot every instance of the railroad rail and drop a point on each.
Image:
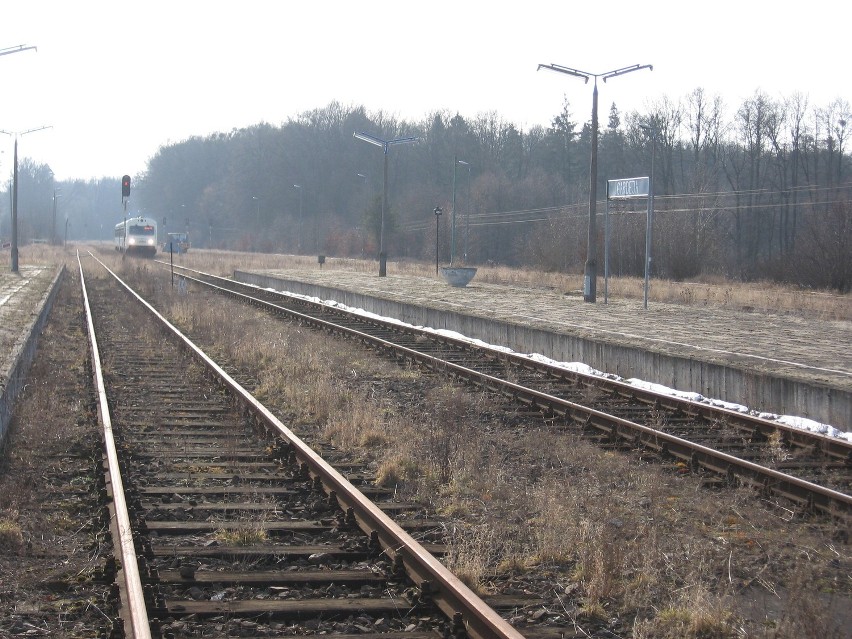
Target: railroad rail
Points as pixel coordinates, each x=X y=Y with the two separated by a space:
x=811 y=470
x=194 y=459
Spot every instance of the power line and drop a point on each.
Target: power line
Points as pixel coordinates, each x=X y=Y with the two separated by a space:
x=547 y=214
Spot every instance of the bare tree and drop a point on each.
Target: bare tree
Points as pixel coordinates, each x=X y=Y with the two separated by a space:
x=703 y=119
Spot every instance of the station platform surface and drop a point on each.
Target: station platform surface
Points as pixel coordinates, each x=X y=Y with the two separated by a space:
x=795 y=347
x=24 y=300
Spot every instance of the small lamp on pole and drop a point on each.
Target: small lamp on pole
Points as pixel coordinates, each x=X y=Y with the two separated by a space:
x=437 y=212
x=56 y=194
x=299 y=241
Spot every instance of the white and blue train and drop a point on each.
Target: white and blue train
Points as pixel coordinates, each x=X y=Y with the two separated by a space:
x=137 y=235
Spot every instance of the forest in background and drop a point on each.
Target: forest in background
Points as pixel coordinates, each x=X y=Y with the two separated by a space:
x=761 y=191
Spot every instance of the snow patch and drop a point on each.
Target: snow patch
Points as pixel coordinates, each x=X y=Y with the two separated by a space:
x=799 y=423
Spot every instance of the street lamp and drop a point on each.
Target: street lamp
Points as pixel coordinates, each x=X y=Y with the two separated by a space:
x=437 y=212
x=385 y=144
x=649 y=222
x=456 y=162
x=591 y=269
x=53 y=229
x=15 y=194
x=363 y=176
x=299 y=244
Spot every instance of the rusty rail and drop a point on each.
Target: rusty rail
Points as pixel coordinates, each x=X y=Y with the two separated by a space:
x=455 y=599
x=816 y=497
x=137 y=612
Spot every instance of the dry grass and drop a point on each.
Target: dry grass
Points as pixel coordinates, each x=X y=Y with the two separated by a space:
x=11 y=537
x=250 y=535
x=621 y=537
x=706 y=291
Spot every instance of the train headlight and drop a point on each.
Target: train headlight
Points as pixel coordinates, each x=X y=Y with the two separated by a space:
x=132 y=240
x=150 y=241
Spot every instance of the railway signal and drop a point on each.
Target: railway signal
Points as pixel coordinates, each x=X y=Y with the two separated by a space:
x=125 y=186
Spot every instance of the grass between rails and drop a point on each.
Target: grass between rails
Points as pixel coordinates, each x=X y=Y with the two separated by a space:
x=599 y=534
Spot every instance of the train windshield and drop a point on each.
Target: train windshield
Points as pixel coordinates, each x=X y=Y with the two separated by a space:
x=141 y=229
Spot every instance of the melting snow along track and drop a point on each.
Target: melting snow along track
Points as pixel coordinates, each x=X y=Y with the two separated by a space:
x=233 y=527
x=812 y=470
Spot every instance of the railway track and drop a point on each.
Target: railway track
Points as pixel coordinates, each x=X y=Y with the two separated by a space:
x=812 y=471
x=227 y=524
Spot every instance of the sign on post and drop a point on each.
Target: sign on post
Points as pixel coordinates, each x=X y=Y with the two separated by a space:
x=626 y=189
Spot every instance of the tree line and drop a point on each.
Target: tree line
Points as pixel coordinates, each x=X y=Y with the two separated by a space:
x=760 y=191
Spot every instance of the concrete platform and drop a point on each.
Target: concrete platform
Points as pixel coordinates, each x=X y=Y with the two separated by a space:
x=25 y=301
x=779 y=363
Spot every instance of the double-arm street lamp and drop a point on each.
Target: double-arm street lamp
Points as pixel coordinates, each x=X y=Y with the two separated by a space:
x=385 y=144
x=591 y=269
x=17 y=134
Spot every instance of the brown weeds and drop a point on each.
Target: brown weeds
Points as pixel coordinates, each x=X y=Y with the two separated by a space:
x=624 y=538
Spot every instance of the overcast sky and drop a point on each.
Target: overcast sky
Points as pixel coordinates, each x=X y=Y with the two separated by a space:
x=116 y=80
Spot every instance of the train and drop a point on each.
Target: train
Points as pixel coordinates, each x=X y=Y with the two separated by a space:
x=137 y=235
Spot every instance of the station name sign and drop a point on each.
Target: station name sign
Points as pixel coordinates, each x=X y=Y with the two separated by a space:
x=627 y=188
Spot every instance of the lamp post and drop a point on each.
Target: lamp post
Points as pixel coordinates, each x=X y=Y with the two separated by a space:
x=257 y=210
x=364 y=177
x=53 y=229
x=438 y=212
x=15 y=195
x=467 y=211
x=591 y=268
x=456 y=162
x=366 y=202
x=649 y=222
x=385 y=144
x=299 y=236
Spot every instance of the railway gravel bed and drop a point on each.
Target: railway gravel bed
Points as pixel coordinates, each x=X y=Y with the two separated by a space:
x=54 y=544
x=200 y=476
x=780 y=577
x=563 y=395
